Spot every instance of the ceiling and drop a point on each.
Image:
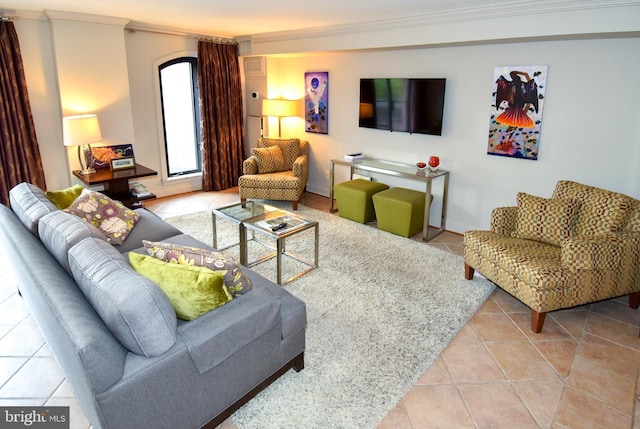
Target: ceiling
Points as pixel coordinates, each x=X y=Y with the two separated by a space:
x=244 y=17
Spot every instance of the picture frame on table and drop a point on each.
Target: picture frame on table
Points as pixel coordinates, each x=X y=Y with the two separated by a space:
x=102 y=155
x=122 y=163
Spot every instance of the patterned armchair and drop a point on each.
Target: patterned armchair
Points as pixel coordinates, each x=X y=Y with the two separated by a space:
x=277 y=170
x=582 y=245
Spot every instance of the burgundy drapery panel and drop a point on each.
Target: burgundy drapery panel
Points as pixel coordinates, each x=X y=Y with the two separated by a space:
x=19 y=153
x=221 y=113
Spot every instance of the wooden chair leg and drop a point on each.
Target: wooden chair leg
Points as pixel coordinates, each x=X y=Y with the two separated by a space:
x=634 y=300
x=243 y=202
x=537 y=320
x=295 y=205
x=468 y=271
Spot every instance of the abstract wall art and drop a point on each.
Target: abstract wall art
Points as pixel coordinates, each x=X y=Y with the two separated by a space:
x=516 y=111
x=316 y=102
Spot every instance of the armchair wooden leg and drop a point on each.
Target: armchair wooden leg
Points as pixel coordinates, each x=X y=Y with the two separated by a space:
x=468 y=271
x=243 y=202
x=634 y=300
x=537 y=320
x=295 y=205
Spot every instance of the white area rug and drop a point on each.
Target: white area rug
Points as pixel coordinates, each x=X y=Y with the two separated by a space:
x=380 y=310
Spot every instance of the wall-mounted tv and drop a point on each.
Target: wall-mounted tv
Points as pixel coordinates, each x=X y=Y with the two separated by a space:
x=408 y=105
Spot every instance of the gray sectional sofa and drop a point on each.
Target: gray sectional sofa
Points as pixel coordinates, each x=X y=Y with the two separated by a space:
x=130 y=362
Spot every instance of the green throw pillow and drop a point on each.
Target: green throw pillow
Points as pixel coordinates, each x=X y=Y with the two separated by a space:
x=64 y=197
x=193 y=291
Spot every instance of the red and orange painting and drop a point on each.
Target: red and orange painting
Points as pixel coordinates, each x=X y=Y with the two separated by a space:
x=516 y=111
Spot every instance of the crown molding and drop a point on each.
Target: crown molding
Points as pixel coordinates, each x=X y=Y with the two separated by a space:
x=85 y=18
x=476 y=13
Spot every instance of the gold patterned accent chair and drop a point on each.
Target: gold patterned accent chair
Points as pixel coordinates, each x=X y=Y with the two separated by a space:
x=276 y=170
x=580 y=246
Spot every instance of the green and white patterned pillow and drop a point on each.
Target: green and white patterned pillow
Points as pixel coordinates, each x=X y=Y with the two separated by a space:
x=546 y=220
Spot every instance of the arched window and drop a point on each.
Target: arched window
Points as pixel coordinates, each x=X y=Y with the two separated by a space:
x=179 y=97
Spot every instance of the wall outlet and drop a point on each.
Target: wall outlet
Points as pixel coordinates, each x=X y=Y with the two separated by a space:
x=326 y=174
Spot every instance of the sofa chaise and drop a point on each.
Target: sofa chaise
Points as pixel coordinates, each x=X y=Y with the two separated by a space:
x=130 y=362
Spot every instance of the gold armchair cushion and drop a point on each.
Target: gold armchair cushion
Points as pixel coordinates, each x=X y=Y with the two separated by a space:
x=547 y=220
x=290 y=149
x=270 y=159
x=593 y=252
x=503 y=220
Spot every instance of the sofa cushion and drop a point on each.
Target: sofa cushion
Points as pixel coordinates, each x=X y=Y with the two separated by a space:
x=290 y=149
x=149 y=227
x=135 y=309
x=269 y=159
x=64 y=197
x=59 y=231
x=193 y=291
x=109 y=216
x=601 y=211
x=234 y=279
x=546 y=220
x=30 y=203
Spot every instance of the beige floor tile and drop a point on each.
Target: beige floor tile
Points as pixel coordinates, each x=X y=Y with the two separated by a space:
x=436 y=374
x=609 y=355
x=496 y=327
x=398 y=418
x=508 y=303
x=520 y=360
x=613 y=330
x=573 y=321
x=471 y=363
x=610 y=387
x=489 y=306
x=578 y=410
x=466 y=336
x=550 y=331
x=618 y=311
x=437 y=407
x=541 y=399
x=559 y=354
x=496 y=405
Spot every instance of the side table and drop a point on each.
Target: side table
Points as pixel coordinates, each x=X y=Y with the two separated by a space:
x=116 y=183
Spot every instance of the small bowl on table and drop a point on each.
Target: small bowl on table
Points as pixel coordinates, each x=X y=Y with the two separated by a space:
x=421 y=166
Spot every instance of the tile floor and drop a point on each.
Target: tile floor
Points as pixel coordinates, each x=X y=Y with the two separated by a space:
x=580 y=372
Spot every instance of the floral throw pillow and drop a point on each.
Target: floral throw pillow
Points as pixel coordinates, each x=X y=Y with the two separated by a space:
x=234 y=279
x=111 y=217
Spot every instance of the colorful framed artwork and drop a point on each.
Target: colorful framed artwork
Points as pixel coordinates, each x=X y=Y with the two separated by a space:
x=316 y=102
x=103 y=155
x=516 y=111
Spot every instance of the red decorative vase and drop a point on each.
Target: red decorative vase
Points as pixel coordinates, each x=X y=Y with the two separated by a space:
x=434 y=163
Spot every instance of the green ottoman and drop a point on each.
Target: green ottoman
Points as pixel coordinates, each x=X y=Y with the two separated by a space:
x=400 y=211
x=354 y=199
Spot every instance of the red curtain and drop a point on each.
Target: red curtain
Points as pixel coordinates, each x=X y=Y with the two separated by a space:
x=223 y=149
x=19 y=153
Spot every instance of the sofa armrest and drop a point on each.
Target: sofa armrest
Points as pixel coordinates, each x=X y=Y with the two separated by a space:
x=503 y=220
x=215 y=336
x=597 y=252
x=250 y=165
x=300 y=167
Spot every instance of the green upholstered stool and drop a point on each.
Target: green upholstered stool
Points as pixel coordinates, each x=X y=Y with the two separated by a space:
x=400 y=211
x=354 y=199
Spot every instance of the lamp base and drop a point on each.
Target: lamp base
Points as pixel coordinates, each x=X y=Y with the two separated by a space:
x=86 y=171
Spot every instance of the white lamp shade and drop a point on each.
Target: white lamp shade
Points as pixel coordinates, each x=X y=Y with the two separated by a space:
x=280 y=108
x=81 y=130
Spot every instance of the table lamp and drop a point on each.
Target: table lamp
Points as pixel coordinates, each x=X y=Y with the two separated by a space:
x=82 y=131
x=280 y=109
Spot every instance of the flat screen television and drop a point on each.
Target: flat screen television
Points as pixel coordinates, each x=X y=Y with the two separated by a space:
x=407 y=105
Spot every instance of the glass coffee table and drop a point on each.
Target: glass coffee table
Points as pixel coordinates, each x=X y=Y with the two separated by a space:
x=257 y=221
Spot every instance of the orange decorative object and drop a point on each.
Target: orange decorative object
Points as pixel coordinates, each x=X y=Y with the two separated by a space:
x=434 y=163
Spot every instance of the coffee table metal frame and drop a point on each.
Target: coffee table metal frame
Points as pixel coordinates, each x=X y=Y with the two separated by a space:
x=247 y=228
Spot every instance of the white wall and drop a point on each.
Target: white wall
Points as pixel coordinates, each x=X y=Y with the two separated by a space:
x=589 y=129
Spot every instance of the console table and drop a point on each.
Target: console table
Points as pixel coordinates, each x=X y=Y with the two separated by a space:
x=116 y=183
x=405 y=171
